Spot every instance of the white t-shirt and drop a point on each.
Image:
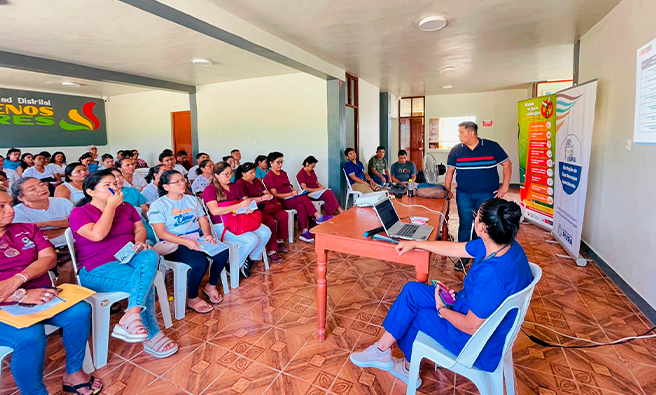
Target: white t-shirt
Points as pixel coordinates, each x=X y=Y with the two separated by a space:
x=33 y=172
x=150 y=193
x=56 y=169
x=181 y=169
x=200 y=183
x=192 y=173
x=137 y=182
x=58 y=209
x=180 y=217
x=12 y=176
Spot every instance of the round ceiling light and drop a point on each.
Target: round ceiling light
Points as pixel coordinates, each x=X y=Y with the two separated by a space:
x=72 y=84
x=202 y=62
x=447 y=87
x=432 y=23
x=448 y=69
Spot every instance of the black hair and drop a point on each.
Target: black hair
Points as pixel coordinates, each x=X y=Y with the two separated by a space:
x=402 y=152
x=41 y=154
x=106 y=156
x=233 y=151
x=12 y=150
x=259 y=159
x=115 y=169
x=243 y=168
x=202 y=165
x=150 y=177
x=164 y=154
x=469 y=125
x=181 y=152
x=59 y=153
x=46 y=154
x=168 y=150
x=2 y=173
x=16 y=188
x=69 y=170
x=198 y=155
x=26 y=154
x=225 y=158
x=348 y=151
x=85 y=156
x=273 y=156
x=120 y=162
x=310 y=160
x=501 y=219
x=165 y=179
x=380 y=147
x=91 y=182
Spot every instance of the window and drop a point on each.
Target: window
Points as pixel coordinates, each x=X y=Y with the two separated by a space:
x=412 y=107
x=443 y=132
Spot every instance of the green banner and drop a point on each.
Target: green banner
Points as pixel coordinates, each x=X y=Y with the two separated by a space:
x=36 y=119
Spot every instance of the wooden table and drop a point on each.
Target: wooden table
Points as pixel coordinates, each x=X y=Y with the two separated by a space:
x=345 y=233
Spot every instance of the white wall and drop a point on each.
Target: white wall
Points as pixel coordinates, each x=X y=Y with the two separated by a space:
x=620 y=215
x=369 y=119
x=394 y=115
x=285 y=113
x=143 y=121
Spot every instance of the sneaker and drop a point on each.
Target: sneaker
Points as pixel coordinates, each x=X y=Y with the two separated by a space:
x=306 y=237
x=275 y=258
x=282 y=248
x=324 y=218
x=400 y=372
x=246 y=268
x=372 y=357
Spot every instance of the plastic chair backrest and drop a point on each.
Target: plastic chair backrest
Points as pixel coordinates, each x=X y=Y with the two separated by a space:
x=519 y=301
x=348 y=181
x=70 y=242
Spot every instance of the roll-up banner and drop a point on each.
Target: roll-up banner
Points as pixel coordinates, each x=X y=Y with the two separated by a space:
x=575 y=113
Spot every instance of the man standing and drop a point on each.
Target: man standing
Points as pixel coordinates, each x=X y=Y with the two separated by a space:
x=403 y=170
x=360 y=181
x=476 y=160
x=378 y=170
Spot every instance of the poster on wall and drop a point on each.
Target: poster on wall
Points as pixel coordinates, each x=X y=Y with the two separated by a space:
x=36 y=119
x=644 y=129
x=575 y=112
x=537 y=136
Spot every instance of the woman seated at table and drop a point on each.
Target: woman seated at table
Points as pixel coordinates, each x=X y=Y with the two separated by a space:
x=130 y=178
x=102 y=224
x=500 y=270
x=272 y=211
x=222 y=197
x=26 y=257
x=204 y=174
x=152 y=178
x=178 y=220
x=261 y=166
x=307 y=180
x=279 y=186
x=71 y=188
x=135 y=199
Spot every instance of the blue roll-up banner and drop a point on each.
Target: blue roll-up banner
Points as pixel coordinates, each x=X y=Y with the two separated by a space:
x=575 y=113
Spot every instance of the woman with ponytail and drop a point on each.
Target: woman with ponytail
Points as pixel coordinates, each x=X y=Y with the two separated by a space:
x=500 y=269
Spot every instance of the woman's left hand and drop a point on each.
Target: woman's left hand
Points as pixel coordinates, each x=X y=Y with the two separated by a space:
x=438 y=300
x=210 y=239
x=9 y=286
x=146 y=246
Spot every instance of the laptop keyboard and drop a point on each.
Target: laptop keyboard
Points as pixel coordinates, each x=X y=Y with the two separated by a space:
x=407 y=230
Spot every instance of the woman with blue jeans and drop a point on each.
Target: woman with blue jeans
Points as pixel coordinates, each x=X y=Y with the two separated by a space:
x=102 y=225
x=26 y=255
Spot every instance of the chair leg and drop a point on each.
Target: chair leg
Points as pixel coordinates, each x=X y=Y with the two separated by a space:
x=224 y=281
x=290 y=228
x=100 y=332
x=87 y=365
x=509 y=374
x=160 y=288
x=234 y=266
x=180 y=291
x=265 y=259
x=414 y=374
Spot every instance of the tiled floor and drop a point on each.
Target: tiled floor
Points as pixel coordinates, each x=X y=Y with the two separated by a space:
x=262 y=338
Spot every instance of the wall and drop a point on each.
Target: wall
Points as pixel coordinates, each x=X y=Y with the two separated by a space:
x=143 y=121
x=620 y=215
x=369 y=122
x=282 y=113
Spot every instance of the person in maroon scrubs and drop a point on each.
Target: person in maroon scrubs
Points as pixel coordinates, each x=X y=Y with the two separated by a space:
x=278 y=185
x=307 y=179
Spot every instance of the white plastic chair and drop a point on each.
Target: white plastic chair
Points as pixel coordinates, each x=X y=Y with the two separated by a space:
x=488 y=383
x=349 y=190
x=317 y=203
x=143 y=172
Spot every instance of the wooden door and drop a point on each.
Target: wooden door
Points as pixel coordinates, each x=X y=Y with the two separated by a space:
x=181 y=129
x=416 y=151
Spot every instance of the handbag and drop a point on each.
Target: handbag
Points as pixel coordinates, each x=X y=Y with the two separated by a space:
x=239 y=224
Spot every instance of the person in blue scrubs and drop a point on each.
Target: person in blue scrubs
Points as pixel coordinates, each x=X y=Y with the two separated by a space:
x=500 y=269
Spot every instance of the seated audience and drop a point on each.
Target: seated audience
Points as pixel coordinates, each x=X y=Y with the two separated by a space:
x=124 y=154
x=236 y=155
x=262 y=166
x=360 y=181
x=178 y=220
x=231 y=161
x=223 y=198
x=71 y=188
x=150 y=191
x=167 y=159
x=378 y=170
x=307 y=180
x=107 y=162
x=201 y=156
x=58 y=163
x=130 y=178
x=102 y=224
x=87 y=160
x=47 y=155
x=27 y=161
x=40 y=170
x=140 y=163
x=272 y=211
x=93 y=150
x=137 y=200
x=24 y=265
x=500 y=270
x=403 y=170
x=181 y=163
x=33 y=205
x=13 y=161
x=204 y=172
x=4 y=180
x=279 y=186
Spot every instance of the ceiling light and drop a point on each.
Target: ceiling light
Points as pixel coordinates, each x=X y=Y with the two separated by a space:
x=447 y=87
x=202 y=62
x=432 y=23
x=448 y=69
x=73 y=84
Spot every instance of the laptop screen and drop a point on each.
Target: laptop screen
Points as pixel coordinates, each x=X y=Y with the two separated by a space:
x=387 y=213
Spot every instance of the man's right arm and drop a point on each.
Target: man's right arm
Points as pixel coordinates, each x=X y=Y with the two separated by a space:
x=448 y=179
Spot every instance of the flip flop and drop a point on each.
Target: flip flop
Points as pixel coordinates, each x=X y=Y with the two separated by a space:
x=159 y=342
x=199 y=311
x=128 y=333
x=213 y=300
x=73 y=389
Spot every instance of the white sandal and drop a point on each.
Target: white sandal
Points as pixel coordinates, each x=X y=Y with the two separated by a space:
x=159 y=342
x=128 y=331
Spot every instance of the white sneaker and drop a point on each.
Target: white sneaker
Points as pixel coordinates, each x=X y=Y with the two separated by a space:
x=372 y=357
x=400 y=372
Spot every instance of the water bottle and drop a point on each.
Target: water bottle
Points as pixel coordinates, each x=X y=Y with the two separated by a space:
x=411 y=188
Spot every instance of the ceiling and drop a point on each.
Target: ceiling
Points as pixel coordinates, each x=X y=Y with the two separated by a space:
x=494 y=44
x=111 y=35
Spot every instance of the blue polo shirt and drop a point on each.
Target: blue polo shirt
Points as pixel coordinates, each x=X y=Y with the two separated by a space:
x=476 y=170
x=357 y=168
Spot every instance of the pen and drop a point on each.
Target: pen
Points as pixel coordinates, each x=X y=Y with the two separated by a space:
x=112 y=191
x=373 y=231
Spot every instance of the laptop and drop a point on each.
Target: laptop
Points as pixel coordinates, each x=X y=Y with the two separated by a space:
x=395 y=228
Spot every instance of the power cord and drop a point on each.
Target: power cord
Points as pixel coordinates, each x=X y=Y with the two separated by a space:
x=594 y=344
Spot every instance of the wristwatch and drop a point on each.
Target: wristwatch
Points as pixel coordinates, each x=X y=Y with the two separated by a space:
x=19 y=295
x=438 y=312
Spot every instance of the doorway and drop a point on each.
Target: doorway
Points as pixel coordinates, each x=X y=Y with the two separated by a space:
x=352 y=115
x=411 y=128
x=181 y=129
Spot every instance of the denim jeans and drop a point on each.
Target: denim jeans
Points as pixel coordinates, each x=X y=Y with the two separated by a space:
x=378 y=180
x=135 y=277
x=29 y=346
x=467 y=204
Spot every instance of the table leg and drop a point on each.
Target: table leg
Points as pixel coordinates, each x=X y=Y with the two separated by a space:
x=421 y=269
x=322 y=257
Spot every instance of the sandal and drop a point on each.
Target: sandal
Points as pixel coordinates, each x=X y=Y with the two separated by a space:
x=128 y=332
x=201 y=310
x=213 y=299
x=73 y=389
x=158 y=343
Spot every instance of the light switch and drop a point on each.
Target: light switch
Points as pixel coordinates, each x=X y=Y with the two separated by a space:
x=628 y=145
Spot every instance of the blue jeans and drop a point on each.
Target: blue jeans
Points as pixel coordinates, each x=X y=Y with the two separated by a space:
x=135 y=277
x=29 y=346
x=467 y=204
x=379 y=180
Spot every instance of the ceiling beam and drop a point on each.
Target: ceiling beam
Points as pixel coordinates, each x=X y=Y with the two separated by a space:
x=56 y=67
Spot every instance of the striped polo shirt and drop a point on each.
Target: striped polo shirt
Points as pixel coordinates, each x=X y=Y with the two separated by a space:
x=476 y=170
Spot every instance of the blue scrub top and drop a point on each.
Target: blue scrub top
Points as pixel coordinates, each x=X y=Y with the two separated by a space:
x=357 y=168
x=259 y=173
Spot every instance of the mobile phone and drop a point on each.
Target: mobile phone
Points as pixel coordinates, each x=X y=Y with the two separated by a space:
x=444 y=294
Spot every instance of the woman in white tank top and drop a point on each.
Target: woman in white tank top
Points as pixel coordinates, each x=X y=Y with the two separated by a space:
x=75 y=173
